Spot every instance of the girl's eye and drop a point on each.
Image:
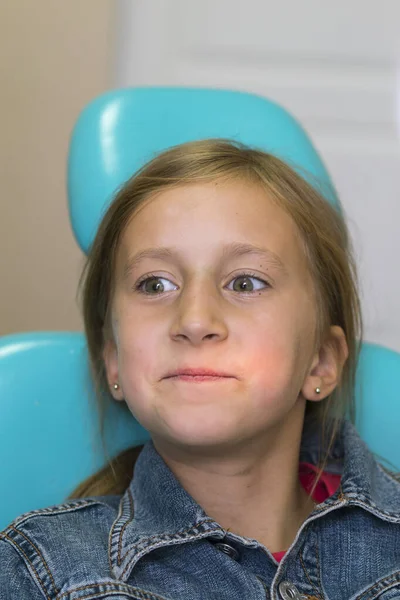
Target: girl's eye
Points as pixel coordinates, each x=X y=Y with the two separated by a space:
x=244 y=285
x=154 y=286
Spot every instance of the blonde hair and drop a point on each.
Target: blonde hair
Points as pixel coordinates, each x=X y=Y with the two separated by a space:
x=322 y=231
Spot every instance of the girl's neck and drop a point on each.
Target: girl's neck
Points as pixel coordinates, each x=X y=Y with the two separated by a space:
x=253 y=491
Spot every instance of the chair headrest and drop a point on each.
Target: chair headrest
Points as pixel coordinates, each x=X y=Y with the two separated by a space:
x=121 y=130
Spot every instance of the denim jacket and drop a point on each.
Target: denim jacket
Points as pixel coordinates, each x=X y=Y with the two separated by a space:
x=156 y=543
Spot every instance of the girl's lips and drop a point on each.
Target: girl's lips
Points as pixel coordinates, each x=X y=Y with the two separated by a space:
x=200 y=378
x=197 y=372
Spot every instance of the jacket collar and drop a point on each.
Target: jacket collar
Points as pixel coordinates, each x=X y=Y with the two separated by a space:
x=156 y=510
x=364 y=481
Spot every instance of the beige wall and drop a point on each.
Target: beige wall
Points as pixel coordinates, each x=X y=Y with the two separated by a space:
x=55 y=57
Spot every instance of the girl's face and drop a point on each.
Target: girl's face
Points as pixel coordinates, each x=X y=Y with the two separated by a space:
x=211 y=303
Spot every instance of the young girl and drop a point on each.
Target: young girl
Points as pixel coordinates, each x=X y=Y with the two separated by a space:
x=220 y=304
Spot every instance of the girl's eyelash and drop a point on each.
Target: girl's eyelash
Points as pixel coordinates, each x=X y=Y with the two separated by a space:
x=138 y=285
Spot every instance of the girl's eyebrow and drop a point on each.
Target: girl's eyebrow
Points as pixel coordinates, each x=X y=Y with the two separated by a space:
x=231 y=250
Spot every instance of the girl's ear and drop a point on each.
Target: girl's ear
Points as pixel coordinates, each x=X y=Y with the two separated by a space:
x=327 y=366
x=110 y=357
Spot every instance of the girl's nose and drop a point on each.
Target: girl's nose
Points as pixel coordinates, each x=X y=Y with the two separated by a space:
x=199 y=316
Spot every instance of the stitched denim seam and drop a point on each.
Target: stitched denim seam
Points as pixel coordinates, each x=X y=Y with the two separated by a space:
x=145 y=543
x=60 y=508
x=111 y=535
x=356 y=499
x=160 y=544
x=307 y=576
x=122 y=588
x=371 y=587
x=379 y=592
x=39 y=554
x=121 y=533
x=4 y=535
x=139 y=594
x=372 y=508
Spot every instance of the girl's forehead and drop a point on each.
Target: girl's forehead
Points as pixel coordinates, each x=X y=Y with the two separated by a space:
x=220 y=208
x=202 y=220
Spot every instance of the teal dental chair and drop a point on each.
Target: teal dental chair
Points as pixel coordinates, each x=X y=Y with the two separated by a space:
x=49 y=433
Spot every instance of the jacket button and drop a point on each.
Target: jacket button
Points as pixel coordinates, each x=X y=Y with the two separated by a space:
x=229 y=550
x=288 y=591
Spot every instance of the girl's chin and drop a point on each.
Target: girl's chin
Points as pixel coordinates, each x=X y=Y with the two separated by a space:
x=200 y=437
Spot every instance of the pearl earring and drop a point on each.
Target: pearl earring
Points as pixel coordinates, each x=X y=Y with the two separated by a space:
x=116 y=386
x=318 y=390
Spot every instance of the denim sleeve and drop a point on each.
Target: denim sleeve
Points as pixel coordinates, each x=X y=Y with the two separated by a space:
x=16 y=582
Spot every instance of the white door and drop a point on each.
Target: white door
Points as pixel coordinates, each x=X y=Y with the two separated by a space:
x=334 y=66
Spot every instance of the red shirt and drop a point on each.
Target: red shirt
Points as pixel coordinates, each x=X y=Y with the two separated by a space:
x=327 y=485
